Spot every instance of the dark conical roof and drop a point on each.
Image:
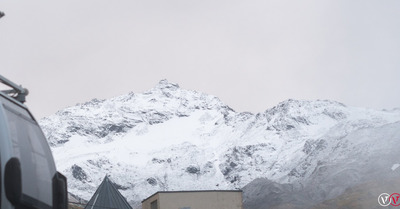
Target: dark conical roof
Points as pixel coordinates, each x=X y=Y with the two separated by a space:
x=107 y=197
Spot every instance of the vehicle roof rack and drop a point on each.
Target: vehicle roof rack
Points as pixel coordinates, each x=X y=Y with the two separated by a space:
x=17 y=92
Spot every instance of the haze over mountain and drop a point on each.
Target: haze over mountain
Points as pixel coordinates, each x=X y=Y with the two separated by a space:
x=298 y=153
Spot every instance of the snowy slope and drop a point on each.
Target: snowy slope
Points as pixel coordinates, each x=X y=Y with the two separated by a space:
x=169 y=138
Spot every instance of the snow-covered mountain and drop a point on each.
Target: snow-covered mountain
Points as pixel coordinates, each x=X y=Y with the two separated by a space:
x=170 y=138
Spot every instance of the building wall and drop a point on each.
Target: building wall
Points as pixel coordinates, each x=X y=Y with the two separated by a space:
x=197 y=200
x=147 y=204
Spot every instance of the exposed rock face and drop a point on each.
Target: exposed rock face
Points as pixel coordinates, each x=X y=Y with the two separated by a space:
x=169 y=138
x=78 y=173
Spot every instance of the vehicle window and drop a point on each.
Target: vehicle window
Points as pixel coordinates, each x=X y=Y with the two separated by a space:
x=30 y=147
x=0 y=180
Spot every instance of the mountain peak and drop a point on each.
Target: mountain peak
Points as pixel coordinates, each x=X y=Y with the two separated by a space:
x=165 y=84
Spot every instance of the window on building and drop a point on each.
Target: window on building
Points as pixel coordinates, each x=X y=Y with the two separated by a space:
x=154 y=205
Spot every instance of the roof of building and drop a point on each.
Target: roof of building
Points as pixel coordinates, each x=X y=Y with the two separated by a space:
x=107 y=197
x=185 y=191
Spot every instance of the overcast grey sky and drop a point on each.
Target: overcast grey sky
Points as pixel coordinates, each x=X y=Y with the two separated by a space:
x=251 y=54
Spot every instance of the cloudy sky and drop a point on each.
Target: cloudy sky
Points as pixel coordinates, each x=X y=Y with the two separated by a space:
x=251 y=54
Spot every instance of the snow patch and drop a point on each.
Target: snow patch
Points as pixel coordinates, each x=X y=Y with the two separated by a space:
x=395 y=166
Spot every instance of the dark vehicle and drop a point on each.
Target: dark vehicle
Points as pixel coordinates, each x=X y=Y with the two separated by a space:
x=28 y=175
